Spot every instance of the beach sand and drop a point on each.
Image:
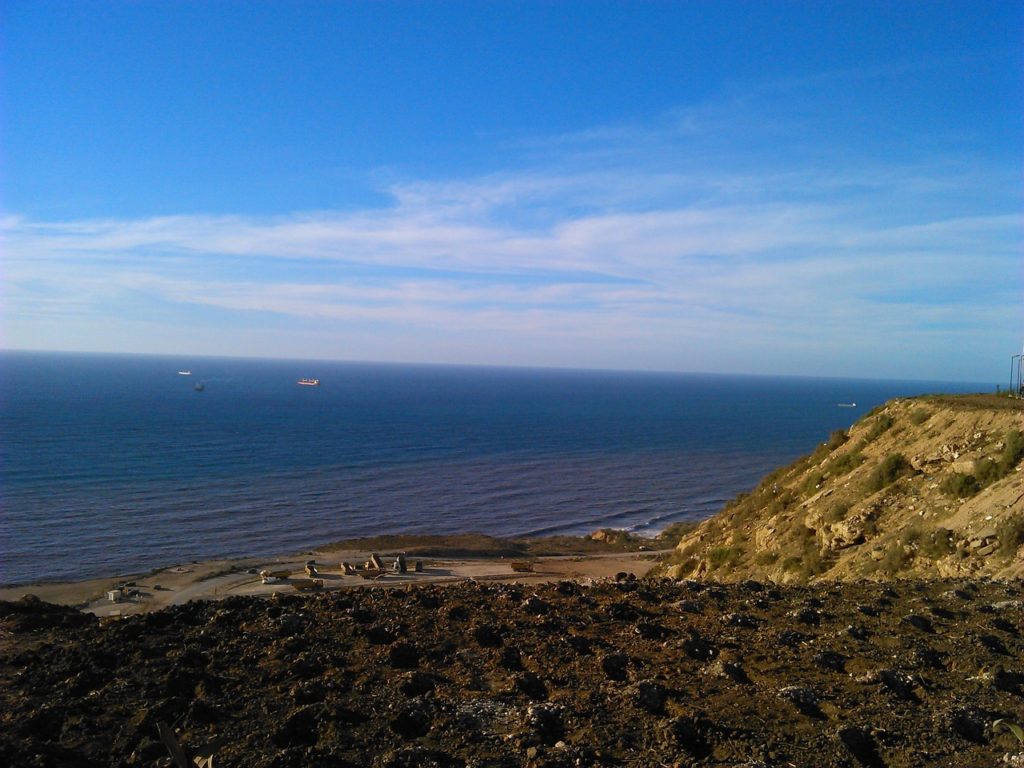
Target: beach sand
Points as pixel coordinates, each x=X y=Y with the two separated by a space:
x=219 y=579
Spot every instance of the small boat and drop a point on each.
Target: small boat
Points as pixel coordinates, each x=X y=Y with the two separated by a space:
x=309 y=382
x=200 y=386
x=184 y=373
x=846 y=405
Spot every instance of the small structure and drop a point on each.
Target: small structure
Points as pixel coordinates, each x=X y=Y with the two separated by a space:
x=375 y=563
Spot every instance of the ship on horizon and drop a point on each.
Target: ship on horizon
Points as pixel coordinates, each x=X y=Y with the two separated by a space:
x=309 y=382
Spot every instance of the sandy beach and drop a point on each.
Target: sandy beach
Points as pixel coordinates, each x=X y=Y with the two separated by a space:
x=219 y=579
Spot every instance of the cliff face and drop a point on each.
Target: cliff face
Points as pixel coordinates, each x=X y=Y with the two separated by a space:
x=922 y=487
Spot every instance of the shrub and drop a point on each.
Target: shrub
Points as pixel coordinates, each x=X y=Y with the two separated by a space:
x=911 y=535
x=936 y=543
x=882 y=423
x=686 y=565
x=1013 y=452
x=841 y=465
x=791 y=563
x=960 y=486
x=721 y=557
x=813 y=481
x=1010 y=533
x=894 y=559
x=837 y=512
x=893 y=467
x=837 y=438
x=988 y=471
x=812 y=563
x=766 y=558
x=780 y=503
x=919 y=416
x=676 y=531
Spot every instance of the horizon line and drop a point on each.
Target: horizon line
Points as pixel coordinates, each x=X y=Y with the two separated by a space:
x=490 y=366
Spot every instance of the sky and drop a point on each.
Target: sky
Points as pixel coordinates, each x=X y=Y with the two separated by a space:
x=801 y=188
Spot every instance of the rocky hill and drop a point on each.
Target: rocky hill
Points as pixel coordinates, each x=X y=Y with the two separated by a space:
x=921 y=487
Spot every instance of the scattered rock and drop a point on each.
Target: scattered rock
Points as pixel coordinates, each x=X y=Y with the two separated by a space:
x=650 y=696
x=861 y=744
x=546 y=722
x=615 y=665
x=803 y=698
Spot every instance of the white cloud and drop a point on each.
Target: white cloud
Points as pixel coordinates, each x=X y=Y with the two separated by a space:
x=592 y=261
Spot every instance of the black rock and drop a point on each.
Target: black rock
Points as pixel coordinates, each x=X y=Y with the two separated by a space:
x=615 y=665
x=650 y=630
x=830 y=660
x=511 y=659
x=696 y=647
x=740 y=620
x=488 y=636
x=691 y=733
x=919 y=622
x=993 y=644
x=971 y=722
x=403 y=655
x=898 y=683
x=546 y=722
x=298 y=730
x=861 y=744
x=535 y=606
x=411 y=721
x=650 y=696
x=417 y=684
x=530 y=684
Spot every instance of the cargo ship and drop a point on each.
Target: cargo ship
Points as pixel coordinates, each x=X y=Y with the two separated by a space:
x=309 y=382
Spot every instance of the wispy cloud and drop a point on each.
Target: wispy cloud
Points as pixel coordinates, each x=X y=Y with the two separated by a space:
x=619 y=247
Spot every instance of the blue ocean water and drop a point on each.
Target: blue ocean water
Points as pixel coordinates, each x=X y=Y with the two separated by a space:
x=114 y=464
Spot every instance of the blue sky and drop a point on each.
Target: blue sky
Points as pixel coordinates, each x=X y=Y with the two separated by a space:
x=794 y=188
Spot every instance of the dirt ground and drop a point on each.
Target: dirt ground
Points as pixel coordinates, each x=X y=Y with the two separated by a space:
x=560 y=673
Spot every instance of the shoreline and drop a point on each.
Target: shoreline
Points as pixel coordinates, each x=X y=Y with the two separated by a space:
x=444 y=560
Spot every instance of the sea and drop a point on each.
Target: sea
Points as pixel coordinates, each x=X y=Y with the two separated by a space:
x=116 y=464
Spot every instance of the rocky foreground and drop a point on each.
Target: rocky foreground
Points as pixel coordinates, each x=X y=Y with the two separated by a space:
x=626 y=673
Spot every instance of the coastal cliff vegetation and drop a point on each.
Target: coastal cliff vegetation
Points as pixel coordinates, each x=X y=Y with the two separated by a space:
x=920 y=487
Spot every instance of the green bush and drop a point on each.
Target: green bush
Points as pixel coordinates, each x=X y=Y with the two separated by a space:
x=936 y=544
x=881 y=425
x=813 y=563
x=1013 y=452
x=837 y=512
x=960 y=486
x=721 y=557
x=791 y=563
x=813 y=481
x=837 y=438
x=676 y=531
x=893 y=467
x=766 y=558
x=895 y=558
x=842 y=465
x=1010 y=533
x=910 y=535
x=988 y=471
x=919 y=416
